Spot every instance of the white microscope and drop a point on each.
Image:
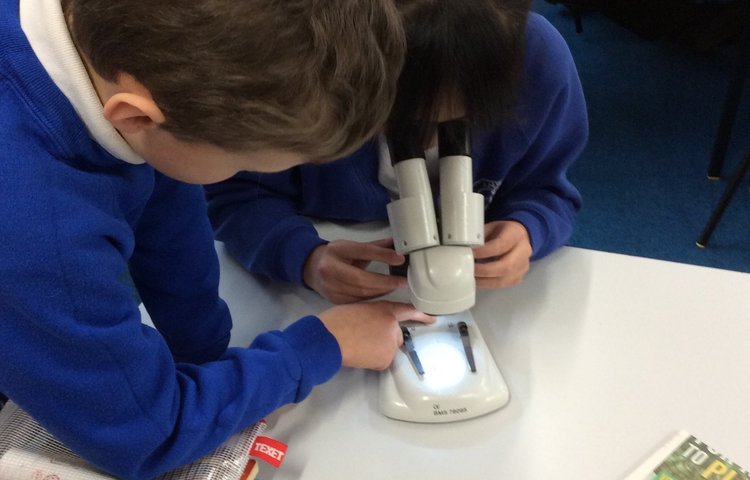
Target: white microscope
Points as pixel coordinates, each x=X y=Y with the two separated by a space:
x=446 y=371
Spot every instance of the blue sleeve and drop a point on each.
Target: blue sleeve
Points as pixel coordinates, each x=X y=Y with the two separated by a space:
x=76 y=355
x=536 y=191
x=176 y=272
x=256 y=216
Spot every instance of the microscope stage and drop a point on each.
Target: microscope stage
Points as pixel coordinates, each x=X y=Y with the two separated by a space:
x=444 y=373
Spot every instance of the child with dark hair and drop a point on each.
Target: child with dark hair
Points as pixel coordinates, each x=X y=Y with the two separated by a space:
x=110 y=111
x=505 y=71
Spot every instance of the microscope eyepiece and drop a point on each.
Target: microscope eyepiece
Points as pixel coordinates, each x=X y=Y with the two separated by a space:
x=453 y=138
x=404 y=146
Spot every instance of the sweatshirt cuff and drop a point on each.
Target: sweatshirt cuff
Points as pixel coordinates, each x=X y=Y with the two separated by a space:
x=318 y=352
x=297 y=246
x=536 y=228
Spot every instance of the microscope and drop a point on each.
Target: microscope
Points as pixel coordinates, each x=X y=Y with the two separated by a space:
x=446 y=372
x=440 y=261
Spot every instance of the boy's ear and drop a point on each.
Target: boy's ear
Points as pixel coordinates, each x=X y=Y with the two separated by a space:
x=132 y=113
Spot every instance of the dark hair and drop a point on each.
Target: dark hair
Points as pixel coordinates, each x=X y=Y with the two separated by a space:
x=466 y=51
x=316 y=77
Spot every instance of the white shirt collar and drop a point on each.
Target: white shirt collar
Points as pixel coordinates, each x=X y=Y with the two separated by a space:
x=44 y=25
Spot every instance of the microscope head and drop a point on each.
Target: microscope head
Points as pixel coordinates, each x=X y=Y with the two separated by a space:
x=441 y=279
x=441 y=263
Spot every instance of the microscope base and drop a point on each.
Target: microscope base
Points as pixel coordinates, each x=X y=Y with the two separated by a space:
x=448 y=390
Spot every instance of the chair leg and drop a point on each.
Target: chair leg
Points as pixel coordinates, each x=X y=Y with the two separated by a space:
x=731 y=104
x=576 y=7
x=734 y=182
x=577 y=20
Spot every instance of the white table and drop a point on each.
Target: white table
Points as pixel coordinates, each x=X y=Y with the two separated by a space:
x=605 y=356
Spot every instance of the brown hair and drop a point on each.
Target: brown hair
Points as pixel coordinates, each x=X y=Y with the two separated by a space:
x=316 y=77
x=467 y=51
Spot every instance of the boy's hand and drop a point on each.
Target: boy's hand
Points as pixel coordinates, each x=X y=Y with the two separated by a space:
x=369 y=333
x=337 y=270
x=504 y=257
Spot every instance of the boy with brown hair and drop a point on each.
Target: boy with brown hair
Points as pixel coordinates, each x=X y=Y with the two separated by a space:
x=111 y=110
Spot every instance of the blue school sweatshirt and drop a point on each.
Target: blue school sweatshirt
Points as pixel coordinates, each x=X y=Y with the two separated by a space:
x=74 y=221
x=521 y=169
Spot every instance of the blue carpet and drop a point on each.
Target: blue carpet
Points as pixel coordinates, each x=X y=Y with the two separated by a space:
x=654 y=107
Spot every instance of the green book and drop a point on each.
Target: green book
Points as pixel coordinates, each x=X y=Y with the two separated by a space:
x=684 y=457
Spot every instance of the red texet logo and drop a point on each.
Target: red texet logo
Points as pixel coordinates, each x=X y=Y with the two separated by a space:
x=269 y=450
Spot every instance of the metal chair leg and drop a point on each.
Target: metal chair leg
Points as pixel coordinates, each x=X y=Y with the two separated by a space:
x=731 y=104
x=577 y=19
x=576 y=7
x=734 y=182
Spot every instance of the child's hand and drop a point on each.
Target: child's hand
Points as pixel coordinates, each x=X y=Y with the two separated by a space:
x=337 y=270
x=504 y=257
x=369 y=333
